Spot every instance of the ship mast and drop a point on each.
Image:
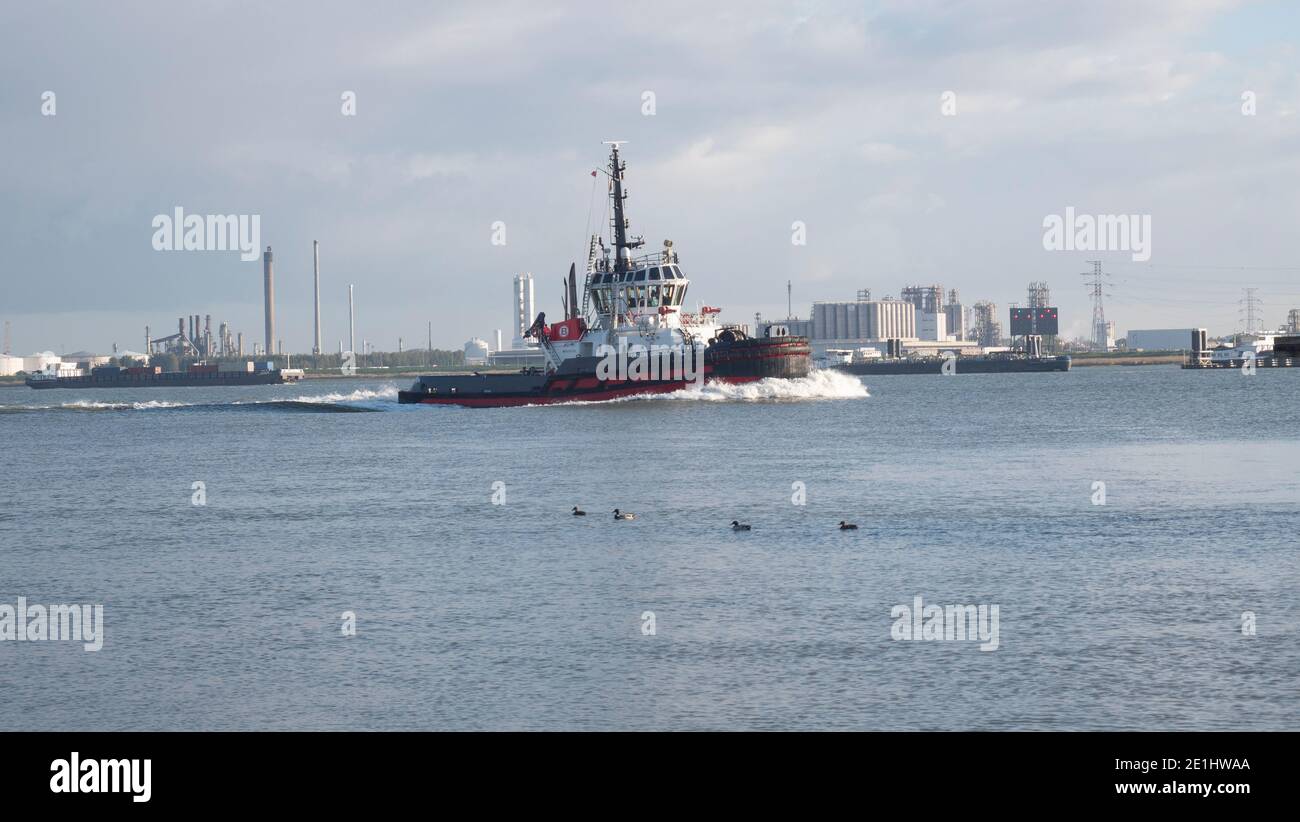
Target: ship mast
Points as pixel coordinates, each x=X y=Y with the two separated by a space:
x=620 y=222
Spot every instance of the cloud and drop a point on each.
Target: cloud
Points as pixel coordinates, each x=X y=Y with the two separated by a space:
x=767 y=113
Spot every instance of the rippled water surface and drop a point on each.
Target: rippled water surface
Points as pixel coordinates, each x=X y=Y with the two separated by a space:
x=328 y=497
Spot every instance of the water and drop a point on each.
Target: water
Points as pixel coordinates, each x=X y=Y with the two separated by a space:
x=327 y=497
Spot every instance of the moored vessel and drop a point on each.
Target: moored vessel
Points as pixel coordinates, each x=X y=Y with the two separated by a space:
x=198 y=374
x=985 y=364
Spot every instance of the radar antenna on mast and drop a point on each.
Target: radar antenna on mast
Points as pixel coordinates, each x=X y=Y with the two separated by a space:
x=623 y=245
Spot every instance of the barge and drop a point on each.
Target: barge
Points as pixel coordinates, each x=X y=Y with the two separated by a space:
x=198 y=374
x=956 y=365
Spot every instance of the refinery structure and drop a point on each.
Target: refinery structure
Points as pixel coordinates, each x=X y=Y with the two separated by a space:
x=524 y=351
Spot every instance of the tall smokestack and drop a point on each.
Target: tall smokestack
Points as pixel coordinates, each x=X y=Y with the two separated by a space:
x=315 y=254
x=269 y=285
x=240 y=337
x=523 y=300
x=352 y=330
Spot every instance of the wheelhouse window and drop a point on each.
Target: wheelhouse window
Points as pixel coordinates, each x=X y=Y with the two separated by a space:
x=668 y=294
x=654 y=295
x=640 y=276
x=654 y=273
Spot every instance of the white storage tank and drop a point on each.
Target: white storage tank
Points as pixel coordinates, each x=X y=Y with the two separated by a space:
x=40 y=362
x=10 y=365
x=476 y=352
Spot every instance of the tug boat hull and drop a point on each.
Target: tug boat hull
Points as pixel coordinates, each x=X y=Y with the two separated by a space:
x=576 y=380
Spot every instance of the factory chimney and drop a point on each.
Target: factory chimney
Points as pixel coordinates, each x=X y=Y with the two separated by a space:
x=352 y=332
x=269 y=285
x=523 y=307
x=315 y=254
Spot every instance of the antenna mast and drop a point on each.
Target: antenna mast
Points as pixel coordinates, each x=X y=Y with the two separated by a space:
x=620 y=221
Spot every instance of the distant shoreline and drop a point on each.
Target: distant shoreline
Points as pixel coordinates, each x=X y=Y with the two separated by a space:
x=1077 y=361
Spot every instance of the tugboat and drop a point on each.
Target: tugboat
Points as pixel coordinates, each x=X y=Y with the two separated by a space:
x=632 y=334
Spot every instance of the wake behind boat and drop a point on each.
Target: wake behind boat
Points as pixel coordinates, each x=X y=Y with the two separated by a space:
x=630 y=335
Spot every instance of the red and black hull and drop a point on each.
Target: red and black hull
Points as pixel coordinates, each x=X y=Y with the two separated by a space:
x=739 y=361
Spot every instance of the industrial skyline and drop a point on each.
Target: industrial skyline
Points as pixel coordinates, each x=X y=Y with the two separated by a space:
x=854 y=143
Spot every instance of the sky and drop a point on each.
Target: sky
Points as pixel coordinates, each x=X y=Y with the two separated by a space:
x=467 y=115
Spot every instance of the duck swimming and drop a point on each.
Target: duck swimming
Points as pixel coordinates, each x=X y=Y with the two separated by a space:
x=738 y=526
x=623 y=514
x=847 y=526
x=578 y=513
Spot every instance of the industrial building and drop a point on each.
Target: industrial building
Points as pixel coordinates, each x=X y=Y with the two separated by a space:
x=955 y=316
x=1160 y=339
x=931 y=313
x=921 y=321
x=863 y=320
x=987 y=330
x=48 y=361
